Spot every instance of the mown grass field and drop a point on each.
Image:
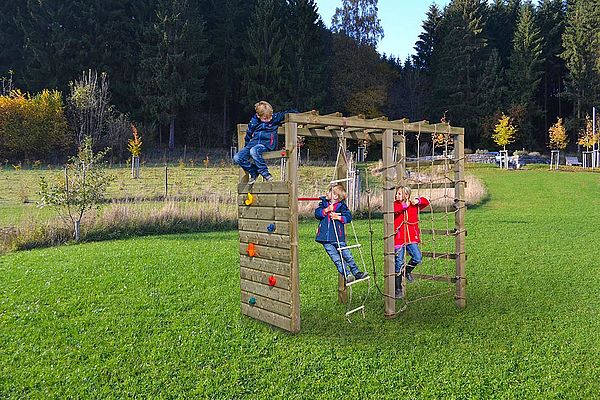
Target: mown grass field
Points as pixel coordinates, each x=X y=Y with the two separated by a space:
x=160 y=316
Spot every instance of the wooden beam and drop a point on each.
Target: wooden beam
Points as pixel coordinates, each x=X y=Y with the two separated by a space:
x=439 y=256
x=281 y=200
x=438 y=232
x=265 y=239
x=425 y=163
x=272 y=266
x=459 y=220
x=265 y=303
x=264 y=188
x=258 y=225
x=264 y=213
x=268 y=317
x=281 y=282
x=266 y=291
x=388 y=225
x=427 y=185
x=268 y=253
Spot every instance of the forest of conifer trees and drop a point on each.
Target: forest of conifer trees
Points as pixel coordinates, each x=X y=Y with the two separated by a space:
x=193 y=68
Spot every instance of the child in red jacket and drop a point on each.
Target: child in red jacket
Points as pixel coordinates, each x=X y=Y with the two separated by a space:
x=408 y=236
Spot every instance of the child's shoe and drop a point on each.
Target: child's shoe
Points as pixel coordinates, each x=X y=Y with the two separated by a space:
x=349 y=278
x=269 y=178
x=409 y=277
x=361 y=275
x=399 y=294
x=252 y=180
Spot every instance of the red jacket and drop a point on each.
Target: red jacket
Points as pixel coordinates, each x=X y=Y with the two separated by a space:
x=406 y=221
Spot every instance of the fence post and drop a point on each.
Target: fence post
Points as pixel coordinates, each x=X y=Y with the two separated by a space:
x=166 y=181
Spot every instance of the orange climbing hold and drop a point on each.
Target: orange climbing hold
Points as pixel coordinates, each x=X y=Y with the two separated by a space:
x=251 y=250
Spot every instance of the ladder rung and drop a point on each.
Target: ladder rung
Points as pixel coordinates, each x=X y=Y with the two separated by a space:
x=366 y=278
x=355 y=310
x=349 y=247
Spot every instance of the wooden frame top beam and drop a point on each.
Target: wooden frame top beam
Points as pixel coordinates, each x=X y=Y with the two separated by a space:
x=378 y=124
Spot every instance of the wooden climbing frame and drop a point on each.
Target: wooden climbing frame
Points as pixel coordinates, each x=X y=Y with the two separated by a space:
x=276 y=255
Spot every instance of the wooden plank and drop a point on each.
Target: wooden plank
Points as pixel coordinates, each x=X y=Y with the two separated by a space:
x=270 y=292
x=268 y=253
x=265 y=200
x=436 y=278
x=265 y=239
x=263 y=187
x=341 y=173
x=272 y=155
x=268 y=317
x=265 y=303
x=254 y=275
x=291 y=143
x=270 y=266
x=439 y=256
x=264 y=213
x=425 y=163
x=459 y=221
x=257 y=225
x=369 y=124
x=388 y=224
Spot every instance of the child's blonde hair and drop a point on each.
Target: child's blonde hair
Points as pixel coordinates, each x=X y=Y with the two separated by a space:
x=406 y=191
x=340 y=191
x=263 y=109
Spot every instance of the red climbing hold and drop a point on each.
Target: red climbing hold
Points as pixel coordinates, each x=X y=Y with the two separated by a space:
x=272 y=281
x=251 y=250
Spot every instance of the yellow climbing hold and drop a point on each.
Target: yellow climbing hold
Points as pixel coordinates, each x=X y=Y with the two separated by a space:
x=249 y=200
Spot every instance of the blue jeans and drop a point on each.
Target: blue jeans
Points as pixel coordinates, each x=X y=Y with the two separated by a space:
x=332 y=250
x=259 y=166
x=415 y=254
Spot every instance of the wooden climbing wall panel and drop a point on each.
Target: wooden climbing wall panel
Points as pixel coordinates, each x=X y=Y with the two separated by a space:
x=268 y=276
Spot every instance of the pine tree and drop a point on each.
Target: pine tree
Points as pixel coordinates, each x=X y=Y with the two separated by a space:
x=457 y=65
x=501 y=22
x=11 y=39
x=358 y=19
x=428 y=39
x=174 y=62
x=581 y=42
x=525 y=72
x=305 y=55
x=493 y=91
x=550 y=18
x=262 y=73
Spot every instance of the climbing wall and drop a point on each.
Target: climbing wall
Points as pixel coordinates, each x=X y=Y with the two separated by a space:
x=267 y=224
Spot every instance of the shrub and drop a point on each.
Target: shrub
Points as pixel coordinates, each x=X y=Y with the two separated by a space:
x=32 y=127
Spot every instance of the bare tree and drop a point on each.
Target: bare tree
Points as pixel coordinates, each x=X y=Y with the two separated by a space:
x=88 y=107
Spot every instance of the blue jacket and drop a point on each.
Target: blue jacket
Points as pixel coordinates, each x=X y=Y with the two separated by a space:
x=326 y=232
x=265 y=133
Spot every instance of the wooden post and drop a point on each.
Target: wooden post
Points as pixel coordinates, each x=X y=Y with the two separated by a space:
x=459 y=194
x=166 y=181
x=241 y=134
x=291 y=145
x=341 y=173
x=388 y=223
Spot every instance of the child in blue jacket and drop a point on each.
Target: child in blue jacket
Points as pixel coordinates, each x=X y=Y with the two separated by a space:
x=260 y=137
x=333 y=213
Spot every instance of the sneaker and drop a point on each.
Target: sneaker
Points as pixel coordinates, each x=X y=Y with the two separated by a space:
x=269 y=178
x=361 y=275
x=409 y=277
x=399 y=294
x=349 y=278
x=252 y=180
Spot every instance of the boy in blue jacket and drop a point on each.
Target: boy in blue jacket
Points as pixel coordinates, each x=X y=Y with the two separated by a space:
x=260 y=137
x=334 y=213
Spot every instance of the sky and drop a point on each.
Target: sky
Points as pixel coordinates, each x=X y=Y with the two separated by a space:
x=401 y=21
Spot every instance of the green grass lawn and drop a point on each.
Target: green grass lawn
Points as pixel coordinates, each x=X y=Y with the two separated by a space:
x=160 y=316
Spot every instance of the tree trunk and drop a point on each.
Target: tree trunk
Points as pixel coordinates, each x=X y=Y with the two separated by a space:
x=172 y=133
x=77 y=231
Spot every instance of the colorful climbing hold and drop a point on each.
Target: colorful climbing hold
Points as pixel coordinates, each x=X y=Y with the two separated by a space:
x=272 y=281
x=249 y=199
x=251 y=250
x=271 y=228
x=252 y=301
x=283 y=153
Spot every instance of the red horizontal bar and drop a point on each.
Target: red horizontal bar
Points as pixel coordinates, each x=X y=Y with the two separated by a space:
x=308 y=198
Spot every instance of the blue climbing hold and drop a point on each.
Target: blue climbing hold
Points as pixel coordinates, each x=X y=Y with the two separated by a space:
x=252 y=301
x=271 y=228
